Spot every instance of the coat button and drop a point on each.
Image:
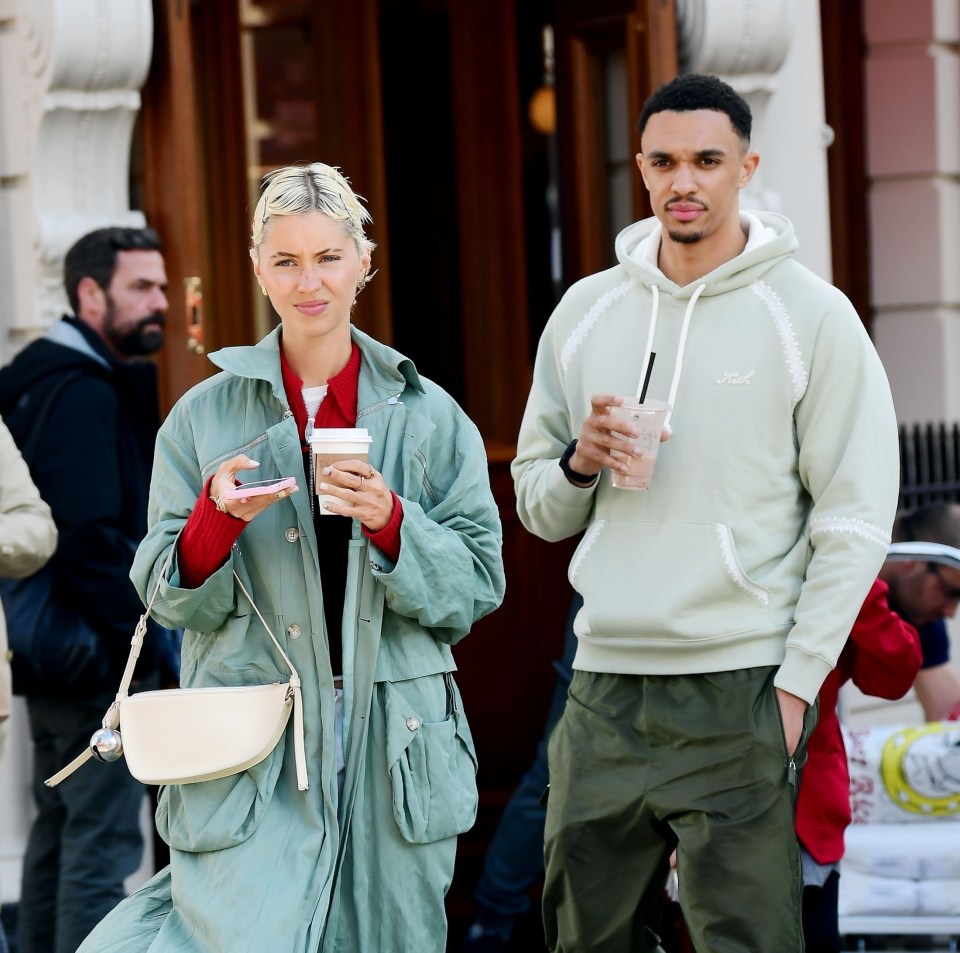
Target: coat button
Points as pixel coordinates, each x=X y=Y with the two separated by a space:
x=292 y=534
x=413 y=723
x=294 y=631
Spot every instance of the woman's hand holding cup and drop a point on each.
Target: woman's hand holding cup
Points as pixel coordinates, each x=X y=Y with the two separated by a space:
x=359 y=491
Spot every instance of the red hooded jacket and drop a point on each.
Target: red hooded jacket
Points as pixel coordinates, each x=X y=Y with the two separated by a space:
x=882 y=656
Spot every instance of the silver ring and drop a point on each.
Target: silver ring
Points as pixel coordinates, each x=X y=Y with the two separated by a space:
x=359 y=488
x=219 y=504
x=370 y=474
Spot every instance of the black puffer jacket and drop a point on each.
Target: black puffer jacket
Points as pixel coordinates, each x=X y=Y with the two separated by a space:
x=91 y=462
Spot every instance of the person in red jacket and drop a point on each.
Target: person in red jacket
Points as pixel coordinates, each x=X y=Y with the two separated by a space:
x=882 y=658
x=898 y=641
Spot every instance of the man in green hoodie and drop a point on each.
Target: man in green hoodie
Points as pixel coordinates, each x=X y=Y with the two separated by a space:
x=715 y=602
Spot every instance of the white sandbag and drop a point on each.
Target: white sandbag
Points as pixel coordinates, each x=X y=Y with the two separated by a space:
x=939 y=897
x=860 y=895
x=908 y=851
x=904 y=773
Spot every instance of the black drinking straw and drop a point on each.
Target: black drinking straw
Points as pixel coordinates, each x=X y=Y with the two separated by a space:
x=646 y=379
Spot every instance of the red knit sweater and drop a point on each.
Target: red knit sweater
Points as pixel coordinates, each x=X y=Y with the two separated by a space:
x=209 y=534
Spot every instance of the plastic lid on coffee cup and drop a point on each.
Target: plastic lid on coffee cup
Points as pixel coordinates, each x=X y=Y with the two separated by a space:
x=340 y=435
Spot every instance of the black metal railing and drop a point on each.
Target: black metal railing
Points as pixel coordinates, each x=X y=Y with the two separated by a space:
x=929 y=464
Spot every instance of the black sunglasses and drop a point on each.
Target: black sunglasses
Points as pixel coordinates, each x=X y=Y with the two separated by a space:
x=951 y=592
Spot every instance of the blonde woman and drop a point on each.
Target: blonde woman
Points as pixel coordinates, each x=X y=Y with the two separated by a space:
x=366 y=595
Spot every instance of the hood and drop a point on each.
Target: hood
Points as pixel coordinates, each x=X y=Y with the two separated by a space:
x=63 y=348
x=771 y=241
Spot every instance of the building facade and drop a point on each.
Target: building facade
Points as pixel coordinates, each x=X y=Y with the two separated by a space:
x=496 y=152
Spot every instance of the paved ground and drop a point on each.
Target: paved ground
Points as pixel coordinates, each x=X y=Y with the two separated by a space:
x=528 y=938
x=922 y=944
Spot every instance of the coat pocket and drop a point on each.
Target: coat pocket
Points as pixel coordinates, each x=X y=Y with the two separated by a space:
x=431 y=759
x=213 y=815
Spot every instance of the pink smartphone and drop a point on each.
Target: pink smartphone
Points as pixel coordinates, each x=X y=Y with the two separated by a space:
x=260 y=488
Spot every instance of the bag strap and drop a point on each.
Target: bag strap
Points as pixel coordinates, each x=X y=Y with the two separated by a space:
x=111 y=720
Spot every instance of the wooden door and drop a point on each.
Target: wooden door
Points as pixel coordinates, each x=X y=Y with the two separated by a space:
x=238 y=87
x=611 y=54
x=169 y=159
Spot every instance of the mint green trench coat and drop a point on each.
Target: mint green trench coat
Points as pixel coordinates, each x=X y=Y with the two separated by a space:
x=257 y=864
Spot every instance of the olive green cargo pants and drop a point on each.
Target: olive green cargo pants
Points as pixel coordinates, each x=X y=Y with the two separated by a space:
x=640 y=765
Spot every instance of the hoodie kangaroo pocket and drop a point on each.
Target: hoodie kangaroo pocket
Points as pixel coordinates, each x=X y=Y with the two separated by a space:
x=676 y=579
x=431 y=759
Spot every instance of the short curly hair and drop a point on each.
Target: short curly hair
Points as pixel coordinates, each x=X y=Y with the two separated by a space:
x=693 y=91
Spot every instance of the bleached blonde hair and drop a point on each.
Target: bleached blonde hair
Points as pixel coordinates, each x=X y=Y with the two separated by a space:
x=297 y=189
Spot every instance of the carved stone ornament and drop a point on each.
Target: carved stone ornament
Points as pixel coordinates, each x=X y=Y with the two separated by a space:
x=745 y=42
x=80 y=65
x=734 y=38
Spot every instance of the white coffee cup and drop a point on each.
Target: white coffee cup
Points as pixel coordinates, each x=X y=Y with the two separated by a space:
x=332 y=444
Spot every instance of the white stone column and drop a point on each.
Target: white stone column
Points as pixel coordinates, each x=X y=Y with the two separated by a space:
x=16 y=220
x=70 y=75
x=913 y=155
x=770 y=52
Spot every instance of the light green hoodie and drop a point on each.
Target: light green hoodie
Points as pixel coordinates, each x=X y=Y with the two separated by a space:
x=772 y=501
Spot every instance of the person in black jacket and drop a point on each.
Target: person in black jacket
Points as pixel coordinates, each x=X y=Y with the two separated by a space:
x=91 y=458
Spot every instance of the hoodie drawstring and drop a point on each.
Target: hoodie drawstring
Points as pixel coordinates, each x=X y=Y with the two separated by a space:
x=678 y=365
x=654 y=311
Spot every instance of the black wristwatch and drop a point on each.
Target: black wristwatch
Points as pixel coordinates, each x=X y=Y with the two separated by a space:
x=572 y=474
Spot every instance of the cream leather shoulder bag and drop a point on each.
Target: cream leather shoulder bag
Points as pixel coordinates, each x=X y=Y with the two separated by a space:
x=185 y=735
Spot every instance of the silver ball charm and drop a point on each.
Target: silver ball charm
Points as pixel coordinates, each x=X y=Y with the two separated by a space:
x=106 y=745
